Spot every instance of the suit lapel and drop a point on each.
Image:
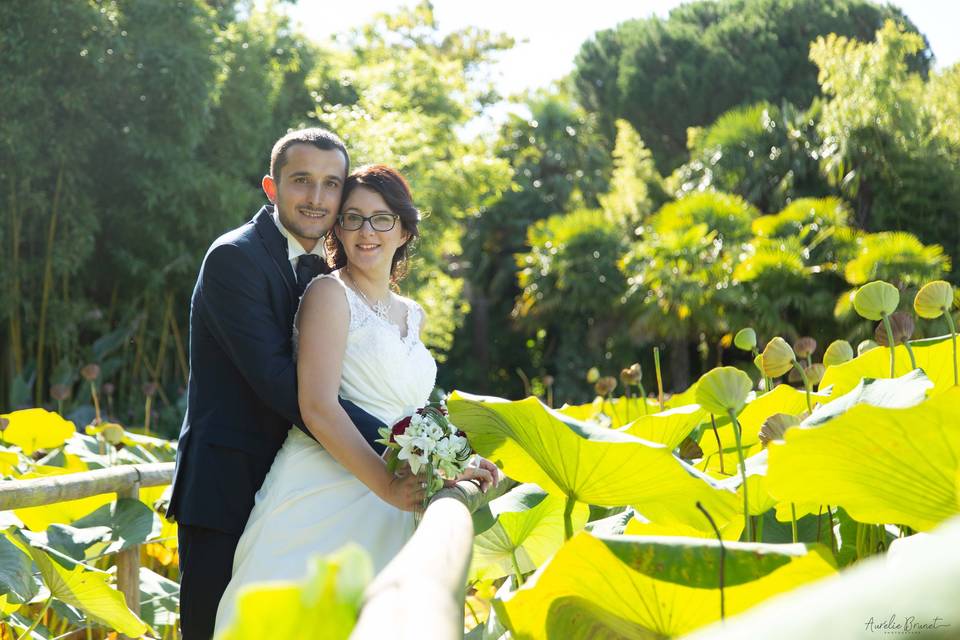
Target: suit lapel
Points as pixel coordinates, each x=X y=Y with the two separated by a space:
x=276 y=246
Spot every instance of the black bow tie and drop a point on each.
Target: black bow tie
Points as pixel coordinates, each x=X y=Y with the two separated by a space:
x=309 y=266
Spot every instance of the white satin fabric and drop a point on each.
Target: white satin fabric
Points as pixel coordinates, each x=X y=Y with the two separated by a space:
x=310 y=504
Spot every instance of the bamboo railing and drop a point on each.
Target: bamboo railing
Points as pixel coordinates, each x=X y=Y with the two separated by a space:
x=124 y=480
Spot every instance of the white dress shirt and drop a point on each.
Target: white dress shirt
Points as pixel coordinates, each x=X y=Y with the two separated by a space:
x=294 y=248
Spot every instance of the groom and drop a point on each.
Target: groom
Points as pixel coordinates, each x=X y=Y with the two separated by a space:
x=242 y=396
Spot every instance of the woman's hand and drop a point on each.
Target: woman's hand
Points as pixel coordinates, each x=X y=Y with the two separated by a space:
x=486 y=473
x=405 y=490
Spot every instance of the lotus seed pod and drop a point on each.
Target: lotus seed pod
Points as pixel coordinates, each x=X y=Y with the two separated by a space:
x=4 y=423
x=746 y=339
x=778 y=358
x=794 y=376
x=876 y=299
x=109 y=388
x=90 y=372
x=59 y=392
x=112 y=433
x=631 y=375
x=815 y=373
x=775 y=426
x=150 y=388
x=605 y=385
x=723 y=389
x=838 y=352
x=901 y=325
x=593 y=374
x=865 y=346
x=804 y=347
x=548 y=380
x=933 y=299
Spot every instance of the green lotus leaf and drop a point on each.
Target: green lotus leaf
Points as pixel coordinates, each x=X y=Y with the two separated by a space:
x=838 y=352
x=723 y=389
x=746 y=339
x=111 y=528
x=40 y=517
x=16 y=571
x=8 y=607
x=614 y=413
x=777 y=358
x=603 y=467
x=668 y=427
x=876 y=299
x=912 y=453
x=687 y=397
x=651 y=587
x=325 y=604
x=529 y=522
x=918 y=581
x=906 y=391
x=759 y=499
x=33 y=429
x=933 y=299
x=86 y=589
x=159 y=599
x=934 y=356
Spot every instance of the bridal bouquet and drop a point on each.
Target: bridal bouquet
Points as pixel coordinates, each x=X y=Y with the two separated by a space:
x=428 y=441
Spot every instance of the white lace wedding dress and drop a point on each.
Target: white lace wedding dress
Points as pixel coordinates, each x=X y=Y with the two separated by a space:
x=310 y=504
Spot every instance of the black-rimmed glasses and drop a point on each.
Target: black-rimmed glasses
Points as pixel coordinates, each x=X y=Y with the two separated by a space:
x=378 y=221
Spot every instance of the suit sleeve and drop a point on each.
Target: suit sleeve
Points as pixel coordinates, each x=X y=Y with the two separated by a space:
x=234 y=305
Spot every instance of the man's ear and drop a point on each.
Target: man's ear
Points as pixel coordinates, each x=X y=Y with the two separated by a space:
x=269 y=188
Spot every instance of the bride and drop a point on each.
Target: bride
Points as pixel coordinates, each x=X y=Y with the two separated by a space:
x=355 y=338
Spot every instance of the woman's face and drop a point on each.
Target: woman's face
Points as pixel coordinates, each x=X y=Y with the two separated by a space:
x=366 y=247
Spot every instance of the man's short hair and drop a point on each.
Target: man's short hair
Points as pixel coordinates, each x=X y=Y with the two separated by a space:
x=315 y=136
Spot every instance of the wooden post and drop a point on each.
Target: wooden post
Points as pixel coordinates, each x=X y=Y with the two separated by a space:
x=128 y=562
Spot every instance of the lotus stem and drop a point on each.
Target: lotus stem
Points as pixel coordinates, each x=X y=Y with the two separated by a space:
x=758 y=534
x=806 y=384
x=526 y=382
x=656 y=364
x=743 y=475
x=96 y=401
x=793 y=522
x=516 y=567
x=890 y=343
x=643 y=398
x=723 y=553
x=146 y=414
x=913 y=360
x=953 y=336
x=833 y=539
x=716 y=434
x=29 y=632
x=627 y=407
x=568 y=517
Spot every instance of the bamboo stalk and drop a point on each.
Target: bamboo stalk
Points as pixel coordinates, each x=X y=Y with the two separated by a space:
x=182 y=353
x=16 y=339
x=47 y=279
x=164 y=332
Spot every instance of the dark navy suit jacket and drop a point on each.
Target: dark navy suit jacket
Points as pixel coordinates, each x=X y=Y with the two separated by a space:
x=242 y=395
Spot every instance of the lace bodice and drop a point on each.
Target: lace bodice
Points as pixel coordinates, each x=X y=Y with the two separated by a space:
x=385 y=373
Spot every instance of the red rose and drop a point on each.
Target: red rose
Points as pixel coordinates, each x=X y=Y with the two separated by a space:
x=399 y=428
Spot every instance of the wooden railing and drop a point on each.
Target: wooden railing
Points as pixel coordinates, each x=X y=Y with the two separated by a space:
x=431 y=568
x=124 y=480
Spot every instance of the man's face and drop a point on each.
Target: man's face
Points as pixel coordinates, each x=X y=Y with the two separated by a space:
x=307 y=192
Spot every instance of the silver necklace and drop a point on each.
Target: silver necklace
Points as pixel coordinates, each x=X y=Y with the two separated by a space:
x=380 y=309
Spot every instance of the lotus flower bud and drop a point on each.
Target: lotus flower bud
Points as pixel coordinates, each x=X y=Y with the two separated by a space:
x=775 y=426
x=901 y=325
x=933 y=299
x=778 y=358
x=59 y=392
x=689 y=449
x=794 y=376
x=548 y=380
x=631 y=375
x=109 y=388
x=4 y=423
x=865 y=346
x=605 y=385
x=746 y=339
x=805 y=346
x=815 y=373
x=90 y=372
x=593 y=375
x=838 y=352
x=723 y=389
x=876 y=299
x=150 y=388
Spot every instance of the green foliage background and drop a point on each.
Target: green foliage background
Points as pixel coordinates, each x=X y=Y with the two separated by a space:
x=687 y=179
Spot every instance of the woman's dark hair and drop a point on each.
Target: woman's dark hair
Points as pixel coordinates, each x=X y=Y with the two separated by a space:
x=395 y=191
